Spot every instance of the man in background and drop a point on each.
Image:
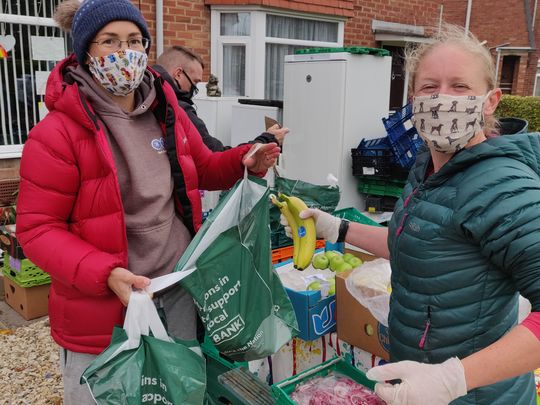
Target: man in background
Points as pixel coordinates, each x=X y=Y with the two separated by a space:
x=183 y=69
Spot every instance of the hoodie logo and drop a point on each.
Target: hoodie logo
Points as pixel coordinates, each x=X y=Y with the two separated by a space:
x=158 y=144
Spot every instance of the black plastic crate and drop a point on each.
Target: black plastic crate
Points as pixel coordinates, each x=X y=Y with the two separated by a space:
x=373 y=157
x=380 y=203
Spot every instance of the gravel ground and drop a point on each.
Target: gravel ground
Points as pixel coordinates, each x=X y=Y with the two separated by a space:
x=29 y=366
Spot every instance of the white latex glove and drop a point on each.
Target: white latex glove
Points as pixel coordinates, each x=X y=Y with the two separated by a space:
x=433 y=384
x=327 y=225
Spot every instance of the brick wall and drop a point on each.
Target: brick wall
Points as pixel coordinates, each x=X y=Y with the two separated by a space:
x=414 y=12
x=185 y=22
x=331 y=7
x=500 y=22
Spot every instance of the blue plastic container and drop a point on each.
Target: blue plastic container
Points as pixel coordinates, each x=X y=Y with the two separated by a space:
x=404 y=142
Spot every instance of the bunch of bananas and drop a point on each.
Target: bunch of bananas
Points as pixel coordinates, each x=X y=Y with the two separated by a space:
x=303 y=231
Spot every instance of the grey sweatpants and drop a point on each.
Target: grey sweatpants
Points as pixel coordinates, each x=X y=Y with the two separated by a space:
x=181 y=320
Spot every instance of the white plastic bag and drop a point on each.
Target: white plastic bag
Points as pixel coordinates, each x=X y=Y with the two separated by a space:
x=369 y=284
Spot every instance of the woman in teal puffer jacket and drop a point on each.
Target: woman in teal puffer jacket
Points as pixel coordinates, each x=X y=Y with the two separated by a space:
x=463 y=242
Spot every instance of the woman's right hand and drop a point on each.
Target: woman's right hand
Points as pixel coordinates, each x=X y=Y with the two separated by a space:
x=327 y=225
x=122 y=282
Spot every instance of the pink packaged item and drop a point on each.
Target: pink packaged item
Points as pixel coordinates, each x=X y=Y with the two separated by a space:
x=334 y=389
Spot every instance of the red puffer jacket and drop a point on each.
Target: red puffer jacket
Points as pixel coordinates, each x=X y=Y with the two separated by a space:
x=70 y=218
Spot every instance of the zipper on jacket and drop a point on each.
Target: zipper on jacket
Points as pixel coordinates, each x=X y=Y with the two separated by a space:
x=406 y=214
x=426 y=329
x=406 y=202
x=402 y=223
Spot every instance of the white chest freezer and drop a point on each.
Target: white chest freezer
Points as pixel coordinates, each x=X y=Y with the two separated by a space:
x=331 y=102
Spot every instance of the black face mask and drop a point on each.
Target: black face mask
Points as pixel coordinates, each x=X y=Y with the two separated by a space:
x=193 y=90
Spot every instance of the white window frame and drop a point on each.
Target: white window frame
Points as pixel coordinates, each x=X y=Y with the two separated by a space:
x=257 y=40
x=227 y=40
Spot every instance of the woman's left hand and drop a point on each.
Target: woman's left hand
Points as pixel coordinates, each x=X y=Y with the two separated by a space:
x=434 y=384
x=261 y=157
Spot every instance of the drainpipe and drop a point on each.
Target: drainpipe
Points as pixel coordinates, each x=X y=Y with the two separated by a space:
x=530 y=23
x=468 y=17
x=534 y=14
x=441 y=17
x=159 y=27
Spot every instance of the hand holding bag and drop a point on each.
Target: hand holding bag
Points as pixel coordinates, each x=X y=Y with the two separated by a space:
x=138 y=368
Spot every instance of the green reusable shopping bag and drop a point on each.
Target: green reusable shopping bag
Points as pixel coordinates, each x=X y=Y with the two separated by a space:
x=241 y=301
x=139 y=369
x=323 y=197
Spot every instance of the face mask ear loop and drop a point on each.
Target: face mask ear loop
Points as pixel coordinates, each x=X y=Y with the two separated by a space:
x=483 y=118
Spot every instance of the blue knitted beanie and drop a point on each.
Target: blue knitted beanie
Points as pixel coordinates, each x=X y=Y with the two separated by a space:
x=93 y=15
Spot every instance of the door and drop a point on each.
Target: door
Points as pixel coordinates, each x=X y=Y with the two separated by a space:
x=397 y=83
x=313 y=110
x=508 y=73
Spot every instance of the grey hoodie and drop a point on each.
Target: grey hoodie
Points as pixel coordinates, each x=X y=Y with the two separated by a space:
x=156 y=235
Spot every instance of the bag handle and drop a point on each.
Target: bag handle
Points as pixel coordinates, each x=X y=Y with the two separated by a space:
x=250 y=154
x=141 y=319
x=162 y=282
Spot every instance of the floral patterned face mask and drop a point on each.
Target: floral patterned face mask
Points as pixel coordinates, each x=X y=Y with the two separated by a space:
x=120 y=72
x=447 y=123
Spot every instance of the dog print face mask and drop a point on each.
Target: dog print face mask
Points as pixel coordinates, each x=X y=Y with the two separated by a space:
x=447 y=123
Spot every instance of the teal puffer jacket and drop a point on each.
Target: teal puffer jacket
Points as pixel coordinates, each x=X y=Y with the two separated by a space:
x=464 y=242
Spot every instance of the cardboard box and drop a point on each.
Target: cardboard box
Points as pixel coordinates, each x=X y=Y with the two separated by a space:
x=316 y=316
x=1 y=286
x=356 y=325
x=9 y=243
x=29 y=302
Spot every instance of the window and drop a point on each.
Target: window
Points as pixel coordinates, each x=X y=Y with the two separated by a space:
x=234 y=70
x=249 y=47
x=37 y=45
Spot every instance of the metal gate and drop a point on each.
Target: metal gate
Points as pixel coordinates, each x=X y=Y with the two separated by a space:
x=32 y=45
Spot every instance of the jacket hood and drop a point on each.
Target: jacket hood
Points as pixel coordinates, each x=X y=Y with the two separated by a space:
x=524 y=148
x=64 y=96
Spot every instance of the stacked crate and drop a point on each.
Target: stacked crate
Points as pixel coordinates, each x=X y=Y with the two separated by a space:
x=381 y=165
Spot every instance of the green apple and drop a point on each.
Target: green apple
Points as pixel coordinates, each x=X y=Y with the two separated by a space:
x=314 y=286
x=335 y=261
x=348 y=256
x=341 y=267
x=320 y=261
x=355 y=262
x=332 y=288
x=331 y=253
